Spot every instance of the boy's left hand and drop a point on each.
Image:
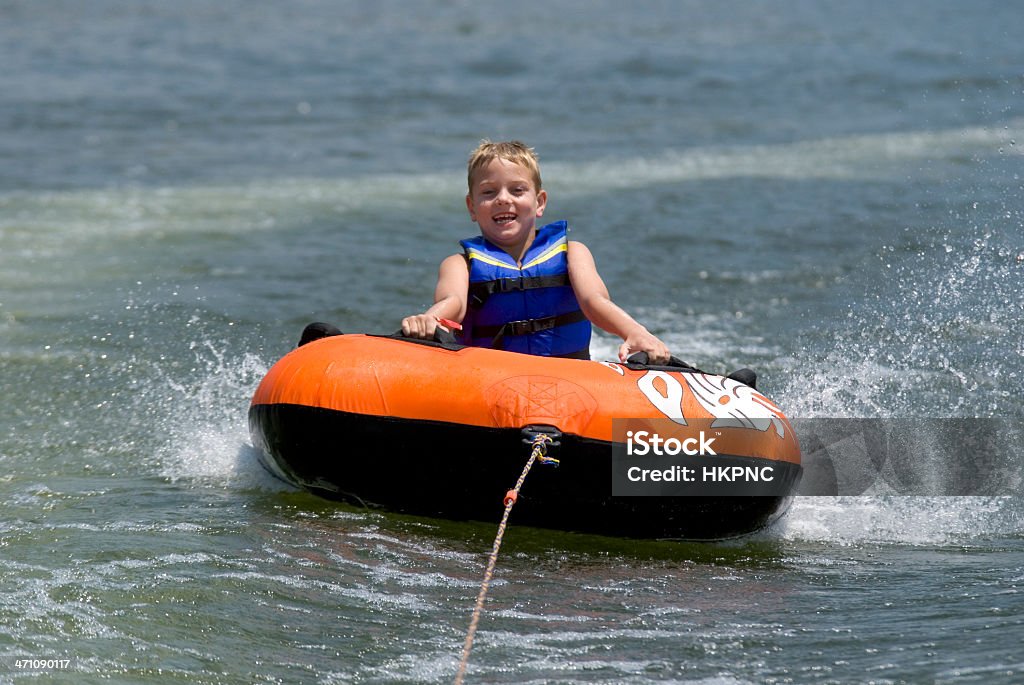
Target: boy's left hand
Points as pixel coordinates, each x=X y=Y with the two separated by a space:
x=644 y=341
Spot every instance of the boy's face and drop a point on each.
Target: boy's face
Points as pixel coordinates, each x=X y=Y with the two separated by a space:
x=505 y=204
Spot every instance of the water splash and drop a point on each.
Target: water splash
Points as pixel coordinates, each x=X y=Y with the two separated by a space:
x=901 y=520
x=205 y=424
x=935 y=329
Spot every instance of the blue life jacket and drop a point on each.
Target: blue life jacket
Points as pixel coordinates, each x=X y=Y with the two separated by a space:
x=532 y=309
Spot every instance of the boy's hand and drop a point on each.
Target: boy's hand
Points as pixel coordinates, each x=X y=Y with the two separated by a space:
x=419 y=326
x=643 y=340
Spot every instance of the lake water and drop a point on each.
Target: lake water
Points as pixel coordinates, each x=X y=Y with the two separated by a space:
x=827 y=192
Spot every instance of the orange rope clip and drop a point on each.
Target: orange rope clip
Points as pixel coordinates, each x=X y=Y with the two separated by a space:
x=510 y=497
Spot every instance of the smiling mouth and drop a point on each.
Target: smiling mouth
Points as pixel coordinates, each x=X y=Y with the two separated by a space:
x=502 y=219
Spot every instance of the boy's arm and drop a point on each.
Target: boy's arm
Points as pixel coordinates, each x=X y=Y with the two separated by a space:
x=597 y=305
x=449 y=299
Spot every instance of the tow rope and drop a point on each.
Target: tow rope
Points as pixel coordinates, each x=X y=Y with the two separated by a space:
x=538 y=452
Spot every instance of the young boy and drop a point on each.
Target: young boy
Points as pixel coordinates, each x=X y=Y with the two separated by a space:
x=519 y=287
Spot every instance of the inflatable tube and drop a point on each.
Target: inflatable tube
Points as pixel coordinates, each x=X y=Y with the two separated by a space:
x=438 y=430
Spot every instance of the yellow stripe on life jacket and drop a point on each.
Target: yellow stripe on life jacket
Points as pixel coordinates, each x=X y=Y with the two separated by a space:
x=488 y=259
x=560 y=246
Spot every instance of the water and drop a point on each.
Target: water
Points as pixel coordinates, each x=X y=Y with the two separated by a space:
x=827 y=192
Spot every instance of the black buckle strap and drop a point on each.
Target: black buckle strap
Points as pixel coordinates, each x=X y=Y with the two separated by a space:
x=507 y=285
x=479 y=292
x=527 y=326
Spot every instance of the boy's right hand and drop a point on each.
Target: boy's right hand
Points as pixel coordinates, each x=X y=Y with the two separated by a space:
x=419 y=326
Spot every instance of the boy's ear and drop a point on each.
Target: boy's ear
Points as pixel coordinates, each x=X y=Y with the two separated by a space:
x=542 y=202
x=469 y=206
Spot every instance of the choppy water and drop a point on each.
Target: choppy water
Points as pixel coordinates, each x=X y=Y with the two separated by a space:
x=829 y=193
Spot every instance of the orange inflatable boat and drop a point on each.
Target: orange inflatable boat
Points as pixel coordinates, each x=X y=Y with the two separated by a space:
x=442 y=430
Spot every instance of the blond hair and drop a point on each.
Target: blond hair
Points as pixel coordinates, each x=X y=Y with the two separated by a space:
x=512 y=151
